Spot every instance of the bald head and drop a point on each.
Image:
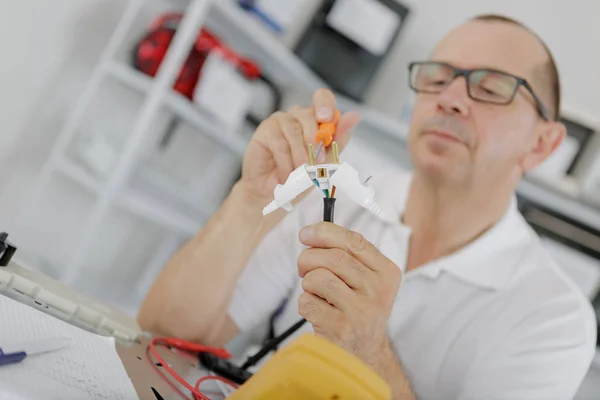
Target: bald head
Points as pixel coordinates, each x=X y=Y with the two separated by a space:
x=546 y=77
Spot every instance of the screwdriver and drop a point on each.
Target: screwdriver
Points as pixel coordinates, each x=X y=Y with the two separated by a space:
x=324 y=135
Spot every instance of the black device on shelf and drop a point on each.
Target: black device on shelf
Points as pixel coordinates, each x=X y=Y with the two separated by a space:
x=341 y=62
x=7 y=249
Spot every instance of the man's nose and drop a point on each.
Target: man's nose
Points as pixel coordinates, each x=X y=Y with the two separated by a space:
x=454 y=99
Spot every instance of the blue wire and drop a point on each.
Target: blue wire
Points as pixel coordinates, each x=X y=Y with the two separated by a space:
x=325 y=191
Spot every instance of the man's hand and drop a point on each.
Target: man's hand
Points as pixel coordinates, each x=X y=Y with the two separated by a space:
x=349 y=289
x=279 y=144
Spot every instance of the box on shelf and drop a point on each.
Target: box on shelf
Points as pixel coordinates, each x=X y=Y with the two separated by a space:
x=288 y=19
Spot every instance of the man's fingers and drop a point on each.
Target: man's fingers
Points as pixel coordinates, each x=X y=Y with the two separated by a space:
x=325 y=284
x=324 y=105
x=317 y=311
x=348 y=121
x=328 y=236
x=292 y=130
x=280 y=148
x=306 y=118
x=342 y=134
x=338 y=261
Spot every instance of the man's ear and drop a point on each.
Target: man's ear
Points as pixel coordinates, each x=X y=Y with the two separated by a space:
x=549 y=136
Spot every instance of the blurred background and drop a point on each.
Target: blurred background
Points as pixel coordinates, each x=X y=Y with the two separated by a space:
x=124 y=122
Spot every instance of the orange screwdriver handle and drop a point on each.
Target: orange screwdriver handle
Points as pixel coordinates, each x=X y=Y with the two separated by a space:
x=327 y=130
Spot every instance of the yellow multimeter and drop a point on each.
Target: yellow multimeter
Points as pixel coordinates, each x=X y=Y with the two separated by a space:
x=312 y=368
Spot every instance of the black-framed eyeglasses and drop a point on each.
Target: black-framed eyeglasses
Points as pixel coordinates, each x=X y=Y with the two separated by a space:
x=483 y=84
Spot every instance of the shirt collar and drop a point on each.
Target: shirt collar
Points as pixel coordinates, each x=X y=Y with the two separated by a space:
x=489 y=261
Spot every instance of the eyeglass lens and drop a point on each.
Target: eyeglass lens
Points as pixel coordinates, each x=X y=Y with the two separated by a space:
x=484 y=85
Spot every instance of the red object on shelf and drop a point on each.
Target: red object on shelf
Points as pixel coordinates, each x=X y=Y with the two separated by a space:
x=152 y=48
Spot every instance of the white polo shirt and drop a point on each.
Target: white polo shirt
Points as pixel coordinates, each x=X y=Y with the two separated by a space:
x=495 y=320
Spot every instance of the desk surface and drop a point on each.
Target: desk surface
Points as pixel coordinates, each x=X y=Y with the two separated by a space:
x=29 y=287
x=145 y=375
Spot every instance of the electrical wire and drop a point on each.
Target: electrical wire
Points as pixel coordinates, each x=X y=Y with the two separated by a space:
x=328 y=211
x=325 y=191
x=189 y=347
x=213 y=377
x=271 y=344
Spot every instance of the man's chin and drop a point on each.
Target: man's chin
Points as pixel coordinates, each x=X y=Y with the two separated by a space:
x=439 y=168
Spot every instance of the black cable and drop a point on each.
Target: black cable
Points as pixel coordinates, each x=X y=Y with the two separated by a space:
x=328 y=208
x=271 y=344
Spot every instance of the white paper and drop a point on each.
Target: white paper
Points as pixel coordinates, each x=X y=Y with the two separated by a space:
x=87 y=368
x=222 y=91
x=281 y=11
x=367 y=22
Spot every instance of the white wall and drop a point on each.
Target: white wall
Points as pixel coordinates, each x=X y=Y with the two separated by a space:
x=49 y=50
x=570 y=29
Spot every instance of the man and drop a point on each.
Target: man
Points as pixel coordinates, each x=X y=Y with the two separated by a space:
x=450 y=295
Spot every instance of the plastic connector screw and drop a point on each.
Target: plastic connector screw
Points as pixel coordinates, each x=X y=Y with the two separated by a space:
x=327 y=130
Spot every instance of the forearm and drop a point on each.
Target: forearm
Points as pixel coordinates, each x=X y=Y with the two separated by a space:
x=388 y=367
x=191 y=294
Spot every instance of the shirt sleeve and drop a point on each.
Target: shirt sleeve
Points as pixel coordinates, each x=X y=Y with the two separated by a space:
x=271 y=273
x=544 y=358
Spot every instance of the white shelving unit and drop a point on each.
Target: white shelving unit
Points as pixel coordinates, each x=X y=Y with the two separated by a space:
x=141 y=203
x=158 y=94
x=206 y=123
x=248 y=36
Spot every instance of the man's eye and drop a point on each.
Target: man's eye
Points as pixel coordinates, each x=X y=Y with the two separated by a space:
x=434 y=81
x=491 y=92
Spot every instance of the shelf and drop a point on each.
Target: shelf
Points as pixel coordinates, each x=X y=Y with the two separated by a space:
x=207 y=124
x=250 y=37
x=561 y=203
x=142 y=204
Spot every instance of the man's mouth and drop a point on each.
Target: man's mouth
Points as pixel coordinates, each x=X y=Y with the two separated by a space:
x=442 y=135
